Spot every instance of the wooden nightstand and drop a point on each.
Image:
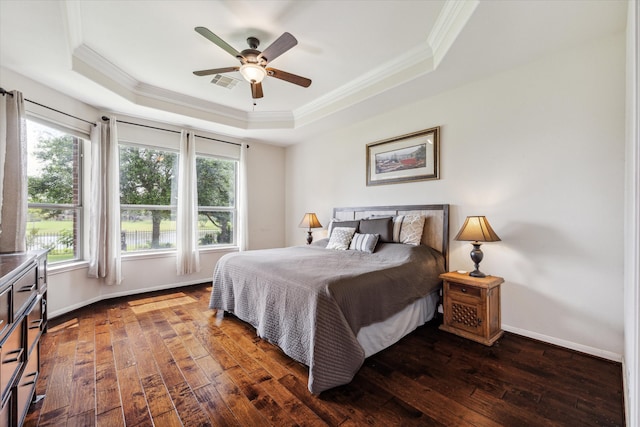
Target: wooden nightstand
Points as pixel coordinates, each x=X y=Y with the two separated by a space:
x=472 y=306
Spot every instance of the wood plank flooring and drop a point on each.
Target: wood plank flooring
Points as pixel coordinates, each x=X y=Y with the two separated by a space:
x=164 y=359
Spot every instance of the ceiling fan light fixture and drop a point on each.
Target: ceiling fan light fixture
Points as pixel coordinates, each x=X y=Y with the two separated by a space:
x=253 y=73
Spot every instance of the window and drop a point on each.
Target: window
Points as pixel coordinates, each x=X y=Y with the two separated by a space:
x=148 y=179
x=216 y=200
x=54 y=192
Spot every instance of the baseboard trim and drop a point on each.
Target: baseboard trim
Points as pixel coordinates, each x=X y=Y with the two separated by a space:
x=604 y=354
x=99 y=298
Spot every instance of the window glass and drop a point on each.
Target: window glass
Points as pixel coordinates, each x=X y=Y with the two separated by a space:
x=217 y=179
x=54 y=192
x=148 y=180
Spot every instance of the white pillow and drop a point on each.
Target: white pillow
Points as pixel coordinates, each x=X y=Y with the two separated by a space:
x=408 y=229
x=340 y=238
x=364 y=242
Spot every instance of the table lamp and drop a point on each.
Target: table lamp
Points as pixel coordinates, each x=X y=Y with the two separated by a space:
x=476 y=229
x=309 y=221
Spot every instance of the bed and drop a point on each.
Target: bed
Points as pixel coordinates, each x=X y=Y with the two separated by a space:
x=330 y=309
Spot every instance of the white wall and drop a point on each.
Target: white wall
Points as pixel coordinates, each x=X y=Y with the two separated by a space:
x=539 y=150
x=631 y=361
x=70 y=288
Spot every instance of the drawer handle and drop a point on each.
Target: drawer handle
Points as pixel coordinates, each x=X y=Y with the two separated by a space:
x=464 y=290
x=28 y=384
x=27 y=288
x=35 y=324
x=18 y=354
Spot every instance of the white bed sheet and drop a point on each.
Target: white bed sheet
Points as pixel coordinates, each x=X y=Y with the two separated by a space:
x=378 y=336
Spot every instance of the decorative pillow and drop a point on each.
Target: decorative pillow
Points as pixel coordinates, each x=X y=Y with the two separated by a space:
x=340 y=238
x=364 y=242
x=381 y=226
x=408 y=229
x=340 y=223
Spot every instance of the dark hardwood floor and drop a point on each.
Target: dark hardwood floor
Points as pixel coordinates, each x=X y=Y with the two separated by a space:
x=164 y=359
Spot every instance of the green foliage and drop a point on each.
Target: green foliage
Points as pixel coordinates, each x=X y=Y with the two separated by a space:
x=55 y=182
x=146 y=176
x=216 y=187
x=66 y=238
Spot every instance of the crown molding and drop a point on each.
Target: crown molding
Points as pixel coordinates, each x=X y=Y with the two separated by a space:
x=98 y=69
x=414 y=63
x=452 y=19
x=422 y=59
x=411 y=64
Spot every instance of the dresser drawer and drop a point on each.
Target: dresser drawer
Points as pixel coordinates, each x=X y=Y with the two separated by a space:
x=26 y=386
x=5 y=310
x=24 y=289
x=11 y=356
x=460 y=289
x=34 y=323
x=6 y=411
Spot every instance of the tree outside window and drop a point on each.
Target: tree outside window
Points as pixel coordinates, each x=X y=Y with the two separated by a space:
x=54 y=192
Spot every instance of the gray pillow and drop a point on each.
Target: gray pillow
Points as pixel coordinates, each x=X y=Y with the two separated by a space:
x=337 y=223
x=381 y=226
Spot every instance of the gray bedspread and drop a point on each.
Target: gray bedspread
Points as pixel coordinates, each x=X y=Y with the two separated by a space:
x=312 y=301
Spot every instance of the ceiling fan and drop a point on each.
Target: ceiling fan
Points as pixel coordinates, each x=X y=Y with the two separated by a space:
x=253 y=63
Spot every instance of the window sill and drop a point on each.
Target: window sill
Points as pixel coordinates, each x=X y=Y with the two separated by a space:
x=78 y=265
x=172 y=253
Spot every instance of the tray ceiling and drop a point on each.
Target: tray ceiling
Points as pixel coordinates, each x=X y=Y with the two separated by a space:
x=137 y=57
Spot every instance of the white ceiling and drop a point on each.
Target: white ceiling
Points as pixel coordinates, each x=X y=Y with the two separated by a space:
x=364 y=57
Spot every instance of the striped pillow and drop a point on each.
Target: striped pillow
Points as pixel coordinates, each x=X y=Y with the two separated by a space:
x=408 y=229
x=364 y=242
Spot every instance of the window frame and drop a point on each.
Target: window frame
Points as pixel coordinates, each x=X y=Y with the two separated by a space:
x=173 y=209
x=80 y=211
x=233 y=209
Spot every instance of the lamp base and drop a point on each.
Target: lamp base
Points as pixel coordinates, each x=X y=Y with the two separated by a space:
x=477 y=273
x=309 y=237
x=476 y=257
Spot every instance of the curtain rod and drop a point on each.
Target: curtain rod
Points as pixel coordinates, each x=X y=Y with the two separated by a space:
x=106 y=119
x=4 y=92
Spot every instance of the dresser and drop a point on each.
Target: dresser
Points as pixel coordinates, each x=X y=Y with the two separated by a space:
x=23 y=318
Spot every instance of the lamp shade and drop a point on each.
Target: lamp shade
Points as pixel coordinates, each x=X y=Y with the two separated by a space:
x=477 y=229
x=310 y=220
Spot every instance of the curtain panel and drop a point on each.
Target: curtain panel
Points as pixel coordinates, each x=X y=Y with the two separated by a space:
x=187 y=254
x=104 y=204
x=243 y=217
x=13 y=173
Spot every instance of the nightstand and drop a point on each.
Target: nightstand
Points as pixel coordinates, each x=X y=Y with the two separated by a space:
x=472 y=306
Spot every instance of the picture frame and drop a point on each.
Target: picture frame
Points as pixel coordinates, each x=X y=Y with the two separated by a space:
x=407 y=158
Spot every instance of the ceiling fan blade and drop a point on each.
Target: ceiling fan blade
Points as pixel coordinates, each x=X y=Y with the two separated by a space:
x=278 y=47
x=217 y=41
x=288 y=77
x=215 y=71
x=256 y=90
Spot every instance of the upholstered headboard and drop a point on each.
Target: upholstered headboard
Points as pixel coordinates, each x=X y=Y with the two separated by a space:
x=436 y=224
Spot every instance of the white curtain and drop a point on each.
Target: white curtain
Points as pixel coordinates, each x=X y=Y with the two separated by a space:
x=188 y=256
x=243 y=217
x=104 y=203
x=13 y=173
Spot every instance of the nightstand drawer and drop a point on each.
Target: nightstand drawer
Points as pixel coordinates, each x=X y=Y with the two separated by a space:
x=458 y=288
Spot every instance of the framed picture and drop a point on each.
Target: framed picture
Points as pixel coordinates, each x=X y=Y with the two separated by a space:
x=407 y=158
